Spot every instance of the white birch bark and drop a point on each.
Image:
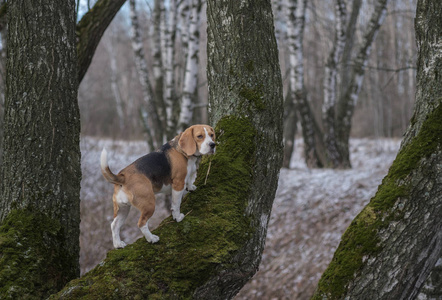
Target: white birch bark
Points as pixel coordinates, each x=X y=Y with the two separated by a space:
x=169 y=82
x=157 y=63
x=330 y=84
x=192 y=62
x=295 y=15
x=114 y=83
x=184 y=19
x=149 y=113
x=347 y=102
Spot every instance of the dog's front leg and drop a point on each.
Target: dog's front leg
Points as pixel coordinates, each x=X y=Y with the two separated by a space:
x=192 y=166
x=176 y=203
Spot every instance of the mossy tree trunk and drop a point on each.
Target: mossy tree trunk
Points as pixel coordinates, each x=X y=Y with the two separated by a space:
x=217 y=247
x=40 y=179
x=392 y=245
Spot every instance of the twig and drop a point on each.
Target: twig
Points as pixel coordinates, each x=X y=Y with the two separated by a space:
x=208 y=170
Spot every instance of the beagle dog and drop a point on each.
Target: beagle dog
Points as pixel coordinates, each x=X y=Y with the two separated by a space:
x=175 y=164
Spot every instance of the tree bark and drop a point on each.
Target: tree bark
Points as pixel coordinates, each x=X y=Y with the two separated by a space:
x=218 y=245
x=40 y=179
x=91 y=28
x=348 y=100
x=295 y=17
x=392 y=245
x=157 y=63
x=333 y=158
x=169 y=68
x=191 y=70
x=152 y=120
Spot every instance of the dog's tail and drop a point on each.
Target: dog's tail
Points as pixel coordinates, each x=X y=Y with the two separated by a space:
x=107 y=173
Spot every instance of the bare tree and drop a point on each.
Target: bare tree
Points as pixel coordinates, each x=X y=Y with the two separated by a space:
x=149 y=109
x=391 y=247
x=331 y=85
x=348 y=99
x=295 y=17
x=169 y=35
x=191 y=69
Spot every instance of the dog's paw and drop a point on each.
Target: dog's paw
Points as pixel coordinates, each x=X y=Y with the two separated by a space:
x=191 y=188
x=119 y=244
x=179 y=218
x=153 y=239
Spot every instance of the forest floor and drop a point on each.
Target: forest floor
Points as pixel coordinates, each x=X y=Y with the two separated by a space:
x=311 y=211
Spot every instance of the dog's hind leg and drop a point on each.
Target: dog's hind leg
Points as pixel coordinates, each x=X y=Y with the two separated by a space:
x=118 y=221
x=144 y=200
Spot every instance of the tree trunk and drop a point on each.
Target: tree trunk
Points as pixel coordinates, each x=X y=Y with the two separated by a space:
x=90 y=29
x=191 y=72
x=290 y=127
x=333 y=158
x=295 y=17
x=157 y=63
x=154 y=128
x=348 y=99
x=114 y=82
x=169 y=68
x=40 y=195
x=392 y=245
x=218 y=245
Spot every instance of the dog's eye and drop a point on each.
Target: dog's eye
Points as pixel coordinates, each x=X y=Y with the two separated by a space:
x=200 y=136
x=211 y=135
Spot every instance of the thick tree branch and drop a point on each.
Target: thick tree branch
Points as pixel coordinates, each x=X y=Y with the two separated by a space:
x=191 y=252
x=90 y=29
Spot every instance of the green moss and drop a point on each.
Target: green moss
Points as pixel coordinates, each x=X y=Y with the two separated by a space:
x=191 y=251
x=254 y=96
x=361 y=240
x=33 y=264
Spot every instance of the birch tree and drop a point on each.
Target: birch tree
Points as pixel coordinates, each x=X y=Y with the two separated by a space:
x=218 y=245
x=391 y=247
x=169 y=67
x=295 y=18
x=114 y=82
x=191 y=69
x=349 y=97
x=148 y=109
x=157 y=63
x=331 y=85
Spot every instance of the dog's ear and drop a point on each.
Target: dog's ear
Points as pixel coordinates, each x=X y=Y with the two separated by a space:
x=187 y=143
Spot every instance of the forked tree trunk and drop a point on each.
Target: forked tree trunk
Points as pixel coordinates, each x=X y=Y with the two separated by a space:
x=392 y=245
x=348 y=99
x=40 y=179
x=295 y=18
x=217 y=247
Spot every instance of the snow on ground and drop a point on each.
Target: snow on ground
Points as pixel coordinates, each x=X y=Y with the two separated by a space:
x=311 y=210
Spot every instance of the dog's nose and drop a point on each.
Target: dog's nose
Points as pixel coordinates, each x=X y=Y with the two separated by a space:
x=212 y=145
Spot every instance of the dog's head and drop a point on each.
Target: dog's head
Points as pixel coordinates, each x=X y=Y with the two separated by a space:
x=198 y=140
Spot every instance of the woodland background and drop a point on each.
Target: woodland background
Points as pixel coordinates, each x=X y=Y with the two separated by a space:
x=111 y=95
x=112 y=103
